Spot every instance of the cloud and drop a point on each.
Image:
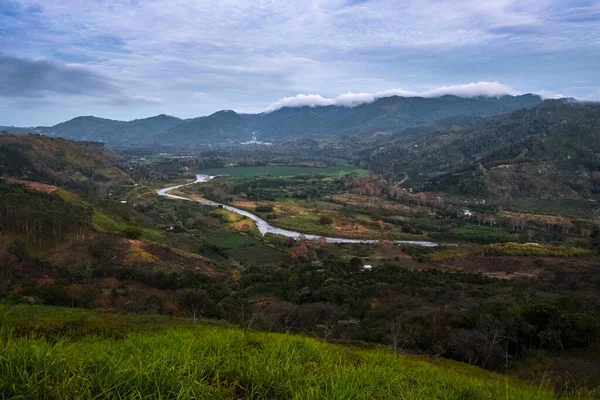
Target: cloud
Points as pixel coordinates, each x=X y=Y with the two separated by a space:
x=20 y=77
x=246 y=54
x=548 y=94
x=484 y=89
x=42 y=80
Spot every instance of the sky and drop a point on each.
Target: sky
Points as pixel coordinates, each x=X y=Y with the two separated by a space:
x=127 y=59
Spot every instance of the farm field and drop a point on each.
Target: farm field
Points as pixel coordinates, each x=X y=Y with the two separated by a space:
x=280 y=170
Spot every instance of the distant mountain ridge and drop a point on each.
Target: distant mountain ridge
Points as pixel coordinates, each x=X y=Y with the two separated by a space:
x=389 y=114
x=112 y=132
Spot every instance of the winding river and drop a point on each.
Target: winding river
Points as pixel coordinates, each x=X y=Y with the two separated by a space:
x=264 y=227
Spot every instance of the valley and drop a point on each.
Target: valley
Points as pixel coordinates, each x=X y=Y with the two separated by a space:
x=435 y=243
x=304 y=200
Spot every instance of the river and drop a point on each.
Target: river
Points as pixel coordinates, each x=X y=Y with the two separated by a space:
x=264 y=227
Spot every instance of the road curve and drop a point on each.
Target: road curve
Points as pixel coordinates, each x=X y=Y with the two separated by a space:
x=264 y=227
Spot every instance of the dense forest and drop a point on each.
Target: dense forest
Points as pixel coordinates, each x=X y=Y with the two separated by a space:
x=41 y=217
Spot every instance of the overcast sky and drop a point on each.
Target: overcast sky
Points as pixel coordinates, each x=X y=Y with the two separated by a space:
x=127 y=59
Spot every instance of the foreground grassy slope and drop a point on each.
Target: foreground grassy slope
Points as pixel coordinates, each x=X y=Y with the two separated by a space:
x=66 y=353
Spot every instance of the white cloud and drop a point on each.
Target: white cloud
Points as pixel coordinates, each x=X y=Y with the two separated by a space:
x=548 y=94
x=485 y=89
x=246 y=53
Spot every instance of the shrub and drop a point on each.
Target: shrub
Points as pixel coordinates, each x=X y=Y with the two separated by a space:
x=264 y=209
x=132 y=232
x=325 y=220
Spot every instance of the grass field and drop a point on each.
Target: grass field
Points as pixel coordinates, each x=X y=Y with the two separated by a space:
x=58 y=353
x=277 y=170
x=255 y=255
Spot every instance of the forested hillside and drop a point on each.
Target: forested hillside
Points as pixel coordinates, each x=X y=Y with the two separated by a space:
x=87 y=167
x=550 y=151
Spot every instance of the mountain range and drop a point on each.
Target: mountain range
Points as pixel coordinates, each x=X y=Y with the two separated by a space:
x=390 y=114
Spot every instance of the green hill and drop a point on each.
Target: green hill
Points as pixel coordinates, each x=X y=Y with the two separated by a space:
x=67 y=353
x=549 y=151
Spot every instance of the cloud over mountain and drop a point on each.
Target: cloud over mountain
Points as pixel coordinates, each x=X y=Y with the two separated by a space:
x=476 y=89
x=91 y=57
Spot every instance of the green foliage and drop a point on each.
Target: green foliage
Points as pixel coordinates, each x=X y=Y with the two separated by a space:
x=132 y=232
x=204 y=361
x=105 y=223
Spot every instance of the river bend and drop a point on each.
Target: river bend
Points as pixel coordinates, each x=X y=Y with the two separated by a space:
x=264 y=227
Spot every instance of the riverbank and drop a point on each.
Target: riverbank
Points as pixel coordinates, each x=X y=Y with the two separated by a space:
x=265 y=228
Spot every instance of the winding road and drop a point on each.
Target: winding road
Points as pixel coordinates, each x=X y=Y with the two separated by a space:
x=264 y=227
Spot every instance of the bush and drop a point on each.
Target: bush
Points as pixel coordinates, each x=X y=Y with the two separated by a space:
x=325 y=220
x=264 y=209
x=132 y=232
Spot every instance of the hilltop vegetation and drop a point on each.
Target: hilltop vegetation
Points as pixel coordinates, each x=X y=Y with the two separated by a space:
x=123 y=356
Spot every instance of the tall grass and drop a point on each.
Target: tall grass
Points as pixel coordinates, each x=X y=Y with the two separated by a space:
x=203 y=361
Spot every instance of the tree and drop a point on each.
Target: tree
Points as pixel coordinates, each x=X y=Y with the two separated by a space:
x=399 y=333
x=194 y=301
x=355 y=263
x=320 y=319
x=595 y=239
x=75 y=292
x=18 y=248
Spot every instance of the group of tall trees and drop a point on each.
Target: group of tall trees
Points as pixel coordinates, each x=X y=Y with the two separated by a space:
x=41 y=217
